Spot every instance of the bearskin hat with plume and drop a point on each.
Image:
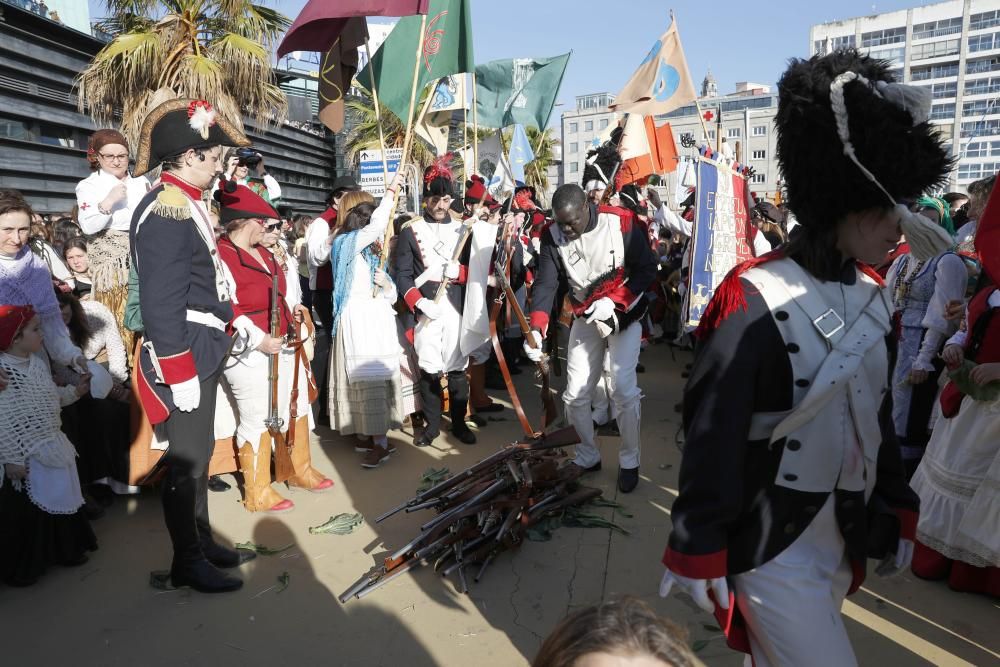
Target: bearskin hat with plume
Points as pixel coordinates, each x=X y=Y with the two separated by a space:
x=438 y=178
x=602 y=161
x=905 y=154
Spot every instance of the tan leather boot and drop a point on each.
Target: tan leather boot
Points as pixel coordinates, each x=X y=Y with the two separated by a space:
x=259 y=495
x=305 y=477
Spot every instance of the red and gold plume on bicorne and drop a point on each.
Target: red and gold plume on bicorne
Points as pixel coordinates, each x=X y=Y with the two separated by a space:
x=440 y=168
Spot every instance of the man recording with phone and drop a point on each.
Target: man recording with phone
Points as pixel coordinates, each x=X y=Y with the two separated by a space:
x=245 y=166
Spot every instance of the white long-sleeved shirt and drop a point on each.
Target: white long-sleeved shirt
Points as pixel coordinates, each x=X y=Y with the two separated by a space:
x=317 y=247
x=664 y=217
x=91 y=191
x=105 y=336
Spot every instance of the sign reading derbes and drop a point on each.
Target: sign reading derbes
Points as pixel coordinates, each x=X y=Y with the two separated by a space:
x=721 y=236
x=370 y=167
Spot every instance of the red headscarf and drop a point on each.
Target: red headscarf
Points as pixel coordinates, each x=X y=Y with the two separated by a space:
x=12 y=320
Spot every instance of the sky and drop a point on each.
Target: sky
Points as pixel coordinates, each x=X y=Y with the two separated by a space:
x=738 y=40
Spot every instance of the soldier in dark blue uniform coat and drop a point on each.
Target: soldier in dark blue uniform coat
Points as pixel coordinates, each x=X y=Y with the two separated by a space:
x=185 y=305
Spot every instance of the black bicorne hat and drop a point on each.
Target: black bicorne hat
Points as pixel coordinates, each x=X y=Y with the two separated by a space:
x=438 y=179
x=179 y=125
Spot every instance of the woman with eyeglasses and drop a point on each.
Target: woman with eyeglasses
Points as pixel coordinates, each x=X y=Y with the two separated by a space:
x=250 y=267
x=106 y=200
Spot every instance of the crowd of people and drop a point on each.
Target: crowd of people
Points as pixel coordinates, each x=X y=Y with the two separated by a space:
x=841 y=404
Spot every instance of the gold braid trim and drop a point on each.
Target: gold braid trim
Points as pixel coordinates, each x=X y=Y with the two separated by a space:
x=172 y=203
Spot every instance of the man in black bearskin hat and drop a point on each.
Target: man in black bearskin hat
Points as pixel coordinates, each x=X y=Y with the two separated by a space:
x=448 y=330
x=789 y=480
x=185 y=305
x=601 y=256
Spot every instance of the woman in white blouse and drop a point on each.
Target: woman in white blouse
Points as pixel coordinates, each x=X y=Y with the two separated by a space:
x=106 y=200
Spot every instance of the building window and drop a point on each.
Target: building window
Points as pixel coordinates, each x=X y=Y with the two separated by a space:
x=983 y=149
x=574 y=167
x=883 y=37
x=980 y=128
x=588 y=126
x=975 y=171
x=984 y=42
x=948 y=47
x=980 y=108
x=759 y=131
x=819 y=47
x=842 y=42
x=984 y=20
x=711 y=134
x=758 y=155
x=894 y=56
x=602 y=124
x=574 y=147
x=937 y=28
x=733 y=133
x=943 y=112
x=57 y=135
x=573 y=127
x=12 y=128
x=934 y=72
x=983 y=86
x=758 y=178
x=982 y=65
x=941 y=91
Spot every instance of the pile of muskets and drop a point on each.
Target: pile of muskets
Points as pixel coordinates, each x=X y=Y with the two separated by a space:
x=483 y=511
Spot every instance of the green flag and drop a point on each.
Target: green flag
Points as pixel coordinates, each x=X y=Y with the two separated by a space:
x=447 y=50
x=522 y=90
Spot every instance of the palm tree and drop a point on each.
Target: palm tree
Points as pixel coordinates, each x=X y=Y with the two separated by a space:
x=542 y=143
x=364 y=134
x=218 y=50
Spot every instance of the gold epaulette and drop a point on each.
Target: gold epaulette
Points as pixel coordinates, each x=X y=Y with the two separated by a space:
x=410 y=222
x=172 y=203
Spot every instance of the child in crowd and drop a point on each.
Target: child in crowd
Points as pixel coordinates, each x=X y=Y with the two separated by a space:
x=40 y=496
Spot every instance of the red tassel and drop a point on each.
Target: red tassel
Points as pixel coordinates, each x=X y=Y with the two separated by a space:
x=729 y=296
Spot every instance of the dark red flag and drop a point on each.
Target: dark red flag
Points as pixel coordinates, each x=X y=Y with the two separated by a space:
x=321 y=21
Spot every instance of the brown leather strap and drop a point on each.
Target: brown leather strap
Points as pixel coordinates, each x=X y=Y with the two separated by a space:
x=505 y=371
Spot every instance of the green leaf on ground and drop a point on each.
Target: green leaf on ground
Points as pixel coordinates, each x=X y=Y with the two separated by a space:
x=342 y=524
x=261 y=549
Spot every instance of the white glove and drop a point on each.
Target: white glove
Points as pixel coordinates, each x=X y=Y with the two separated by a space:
x=895 y=563
x=429 y=308
x=533 y=353
x=187 y=394
x=536 y=245
x=697 y=589
x=600 y=310
x=451 y=270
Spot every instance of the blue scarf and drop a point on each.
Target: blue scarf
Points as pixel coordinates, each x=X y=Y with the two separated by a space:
x=343 y=254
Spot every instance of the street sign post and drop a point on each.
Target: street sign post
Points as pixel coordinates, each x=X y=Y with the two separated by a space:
x=370 y=168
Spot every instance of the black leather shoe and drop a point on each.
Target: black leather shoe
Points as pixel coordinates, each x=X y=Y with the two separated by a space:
x=611 y=428
x=423 y=440
x=203 y=577
x=224 y=557
x=476 y=419
x=217 y=484
x=464 y=435
x=628 y=479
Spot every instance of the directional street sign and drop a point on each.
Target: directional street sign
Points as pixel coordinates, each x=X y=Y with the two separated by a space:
x=370 y=167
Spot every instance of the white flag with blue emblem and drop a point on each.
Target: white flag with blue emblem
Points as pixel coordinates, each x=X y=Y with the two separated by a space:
x=520 y=154
x=493 y=165
x=662 y=83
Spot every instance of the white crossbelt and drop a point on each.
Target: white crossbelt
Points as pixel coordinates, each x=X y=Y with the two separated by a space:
x=207 y=319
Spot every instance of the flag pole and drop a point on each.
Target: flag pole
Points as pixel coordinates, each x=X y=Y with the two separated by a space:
x=407 y=140
x=378 y=118
x=475 y=126
x=465 y=132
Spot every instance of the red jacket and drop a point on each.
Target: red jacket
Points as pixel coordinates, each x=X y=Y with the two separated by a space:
x=253 y=286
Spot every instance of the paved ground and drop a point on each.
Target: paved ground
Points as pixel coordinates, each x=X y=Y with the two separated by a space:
x=105 y=613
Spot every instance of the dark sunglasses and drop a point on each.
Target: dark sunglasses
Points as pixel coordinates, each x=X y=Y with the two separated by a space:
x=273 y=227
